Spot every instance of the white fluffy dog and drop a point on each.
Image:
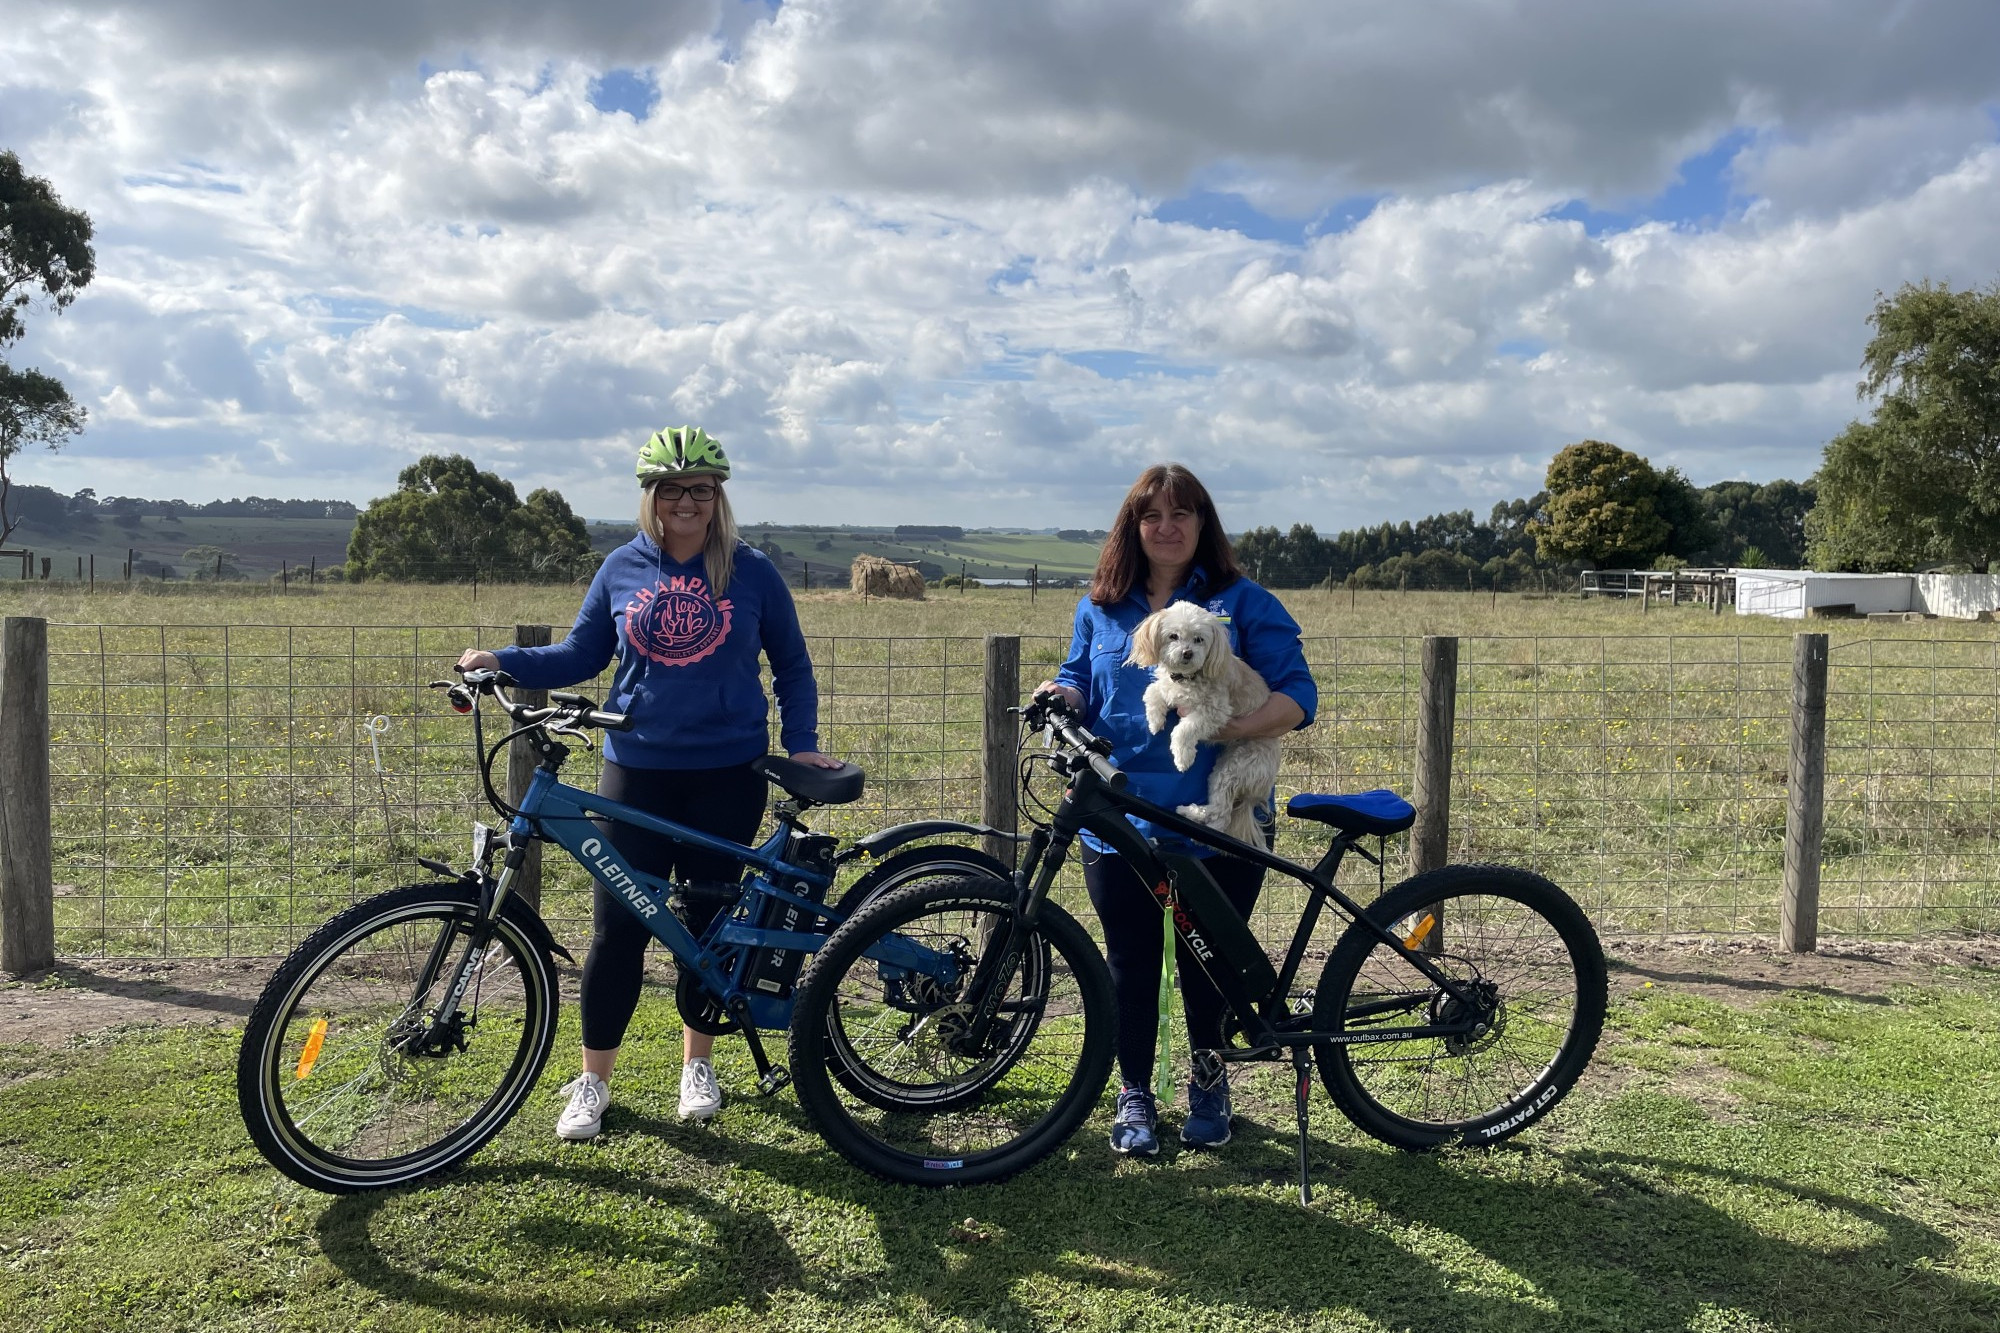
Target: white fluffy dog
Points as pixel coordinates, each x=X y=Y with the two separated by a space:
x=1195 y=672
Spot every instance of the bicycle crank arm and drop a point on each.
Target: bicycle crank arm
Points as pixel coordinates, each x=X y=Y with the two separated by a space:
x=770 y=1078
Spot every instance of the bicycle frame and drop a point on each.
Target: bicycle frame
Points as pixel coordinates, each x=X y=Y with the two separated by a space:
x=1094 y=805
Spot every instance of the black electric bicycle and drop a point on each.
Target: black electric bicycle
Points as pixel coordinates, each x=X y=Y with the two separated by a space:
x=403 y=1034
x=1458 y=1007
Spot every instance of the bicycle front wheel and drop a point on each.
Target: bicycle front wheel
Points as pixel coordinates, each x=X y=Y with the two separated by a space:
x=1526 y=954
x=879 y=1052
x=344 y=1082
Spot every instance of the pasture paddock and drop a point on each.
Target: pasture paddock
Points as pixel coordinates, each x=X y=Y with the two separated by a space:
x=1746 y=1155
x=1762 y=1143
x=218 y=788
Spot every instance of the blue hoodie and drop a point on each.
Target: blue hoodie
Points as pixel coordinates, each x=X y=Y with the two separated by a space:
x=1261 y=632
x=687 y=662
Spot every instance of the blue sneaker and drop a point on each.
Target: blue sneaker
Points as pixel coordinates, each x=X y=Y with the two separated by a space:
x=1207 y=1123
x=1132 y=1128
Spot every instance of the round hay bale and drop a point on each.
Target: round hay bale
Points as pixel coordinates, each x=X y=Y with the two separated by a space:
x=872 y=576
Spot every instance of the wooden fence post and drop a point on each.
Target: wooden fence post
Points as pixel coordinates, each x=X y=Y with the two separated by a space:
x=27 y=880
x=998 y=778
x=1437 y=714
x=1805 y=807
x=521 y=768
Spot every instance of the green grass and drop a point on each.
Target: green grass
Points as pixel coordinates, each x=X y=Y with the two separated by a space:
x=1815 y=1162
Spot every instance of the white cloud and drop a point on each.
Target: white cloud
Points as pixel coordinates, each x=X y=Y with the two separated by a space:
x=902 y=259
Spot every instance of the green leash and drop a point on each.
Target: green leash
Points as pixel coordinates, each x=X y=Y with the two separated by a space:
x=1163 y=1074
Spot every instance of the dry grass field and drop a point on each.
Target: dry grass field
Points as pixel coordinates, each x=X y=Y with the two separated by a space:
x=234 y=764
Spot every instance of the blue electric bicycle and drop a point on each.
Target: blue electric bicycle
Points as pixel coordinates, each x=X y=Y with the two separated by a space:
x=404 y=1033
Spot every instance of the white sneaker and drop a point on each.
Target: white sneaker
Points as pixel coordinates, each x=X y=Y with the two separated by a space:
x=700 y=1097
x=589 y=1096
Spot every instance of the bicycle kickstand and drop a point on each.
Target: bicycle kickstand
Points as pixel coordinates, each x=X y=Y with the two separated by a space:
x=770 y=1077
x=1302 y=1090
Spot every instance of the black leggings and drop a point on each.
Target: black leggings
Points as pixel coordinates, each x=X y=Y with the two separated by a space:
x=728 y=802
x=1132 y=922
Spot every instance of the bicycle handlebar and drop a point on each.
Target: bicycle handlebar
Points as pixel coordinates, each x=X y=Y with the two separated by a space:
x=573 y=710
x=1052 y=713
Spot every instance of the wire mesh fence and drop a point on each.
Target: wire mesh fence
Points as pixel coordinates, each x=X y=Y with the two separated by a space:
x=223 y=789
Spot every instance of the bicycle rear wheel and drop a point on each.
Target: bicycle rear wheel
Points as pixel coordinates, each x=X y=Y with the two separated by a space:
x=877 y=1050
x=922 y=865
x=341 y=1087
x=1528 y=954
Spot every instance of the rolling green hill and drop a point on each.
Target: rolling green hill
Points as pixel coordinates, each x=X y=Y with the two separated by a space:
x=983 y=554
x=262 y=547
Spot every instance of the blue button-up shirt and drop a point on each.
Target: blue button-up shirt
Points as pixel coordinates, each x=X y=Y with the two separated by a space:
x=1261 y=632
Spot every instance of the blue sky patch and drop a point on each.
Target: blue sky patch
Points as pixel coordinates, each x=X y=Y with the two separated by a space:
x=1523 y=349
x=1217 y=211
x=345 y=310
x=629 y=90
x=1016 y=273
x=1699 y=198
x=1117 y=364
x=184 y=183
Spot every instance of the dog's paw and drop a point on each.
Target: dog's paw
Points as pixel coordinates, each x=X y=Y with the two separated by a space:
x=1200 y=814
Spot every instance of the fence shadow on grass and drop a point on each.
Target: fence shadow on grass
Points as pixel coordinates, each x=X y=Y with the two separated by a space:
x=82 y=977
x=1703 y=977
x=1525 y=1238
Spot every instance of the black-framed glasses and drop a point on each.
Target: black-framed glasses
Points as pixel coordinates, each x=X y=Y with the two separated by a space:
x=701 y=492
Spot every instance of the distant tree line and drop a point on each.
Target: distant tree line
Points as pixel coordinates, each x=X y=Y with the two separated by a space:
x=1639 y=516
x=943 y=533
x=57 y=514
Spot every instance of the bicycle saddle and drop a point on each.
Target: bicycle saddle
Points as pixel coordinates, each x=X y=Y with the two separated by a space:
x=1380 y=811
x=808 y=782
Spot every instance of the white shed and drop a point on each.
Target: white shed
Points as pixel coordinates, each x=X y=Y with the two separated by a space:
x=1788 y=593
x=1961 y=596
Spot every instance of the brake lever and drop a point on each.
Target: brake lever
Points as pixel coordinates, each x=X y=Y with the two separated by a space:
x=569 y=728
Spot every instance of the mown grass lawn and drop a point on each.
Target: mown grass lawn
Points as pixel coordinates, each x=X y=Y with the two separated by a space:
x=1814 y=1161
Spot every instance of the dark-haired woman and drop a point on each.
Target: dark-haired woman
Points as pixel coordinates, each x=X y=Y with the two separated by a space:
x=1167 y=545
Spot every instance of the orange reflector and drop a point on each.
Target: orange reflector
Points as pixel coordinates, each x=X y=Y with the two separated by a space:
x=314 y=1040
x=1410 y=941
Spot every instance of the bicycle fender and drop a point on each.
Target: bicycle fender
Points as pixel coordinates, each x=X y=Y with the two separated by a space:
x=883 y=841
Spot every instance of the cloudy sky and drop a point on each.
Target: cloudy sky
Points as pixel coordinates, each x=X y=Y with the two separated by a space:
x=975 y=262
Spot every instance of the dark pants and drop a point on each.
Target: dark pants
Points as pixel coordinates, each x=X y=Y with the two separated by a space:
x=727 y=802
x=1133 y=924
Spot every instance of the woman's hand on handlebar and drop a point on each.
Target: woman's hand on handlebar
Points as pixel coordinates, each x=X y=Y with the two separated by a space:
x=477 y=659
x=1068 y=693
x=817 y=760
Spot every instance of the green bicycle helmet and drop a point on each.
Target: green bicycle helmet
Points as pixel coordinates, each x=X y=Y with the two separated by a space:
x=681 y=451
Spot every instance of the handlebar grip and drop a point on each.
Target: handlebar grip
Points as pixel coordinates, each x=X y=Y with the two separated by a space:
x=1114 y=777
x=608 y=721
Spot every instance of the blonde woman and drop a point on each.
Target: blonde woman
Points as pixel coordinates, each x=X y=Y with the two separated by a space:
x=686 y=607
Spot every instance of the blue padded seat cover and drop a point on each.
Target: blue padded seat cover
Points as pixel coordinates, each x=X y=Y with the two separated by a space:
x=1379 y=811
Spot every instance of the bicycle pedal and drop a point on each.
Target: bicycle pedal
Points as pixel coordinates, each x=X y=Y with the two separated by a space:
x=774 y=1080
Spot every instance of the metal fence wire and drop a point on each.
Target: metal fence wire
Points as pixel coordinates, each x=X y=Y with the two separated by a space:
x=221 y=790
